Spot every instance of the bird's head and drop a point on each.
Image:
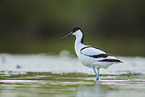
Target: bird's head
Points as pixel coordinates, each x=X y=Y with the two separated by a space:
x=76 y=30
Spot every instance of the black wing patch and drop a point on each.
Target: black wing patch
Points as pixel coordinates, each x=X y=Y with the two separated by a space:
x=99 y=56
x=111 y=60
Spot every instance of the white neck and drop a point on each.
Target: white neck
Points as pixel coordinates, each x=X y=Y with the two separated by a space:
x=79 y=36
x=78 y=41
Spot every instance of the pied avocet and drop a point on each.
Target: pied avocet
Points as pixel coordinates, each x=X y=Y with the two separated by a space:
x=92 y=57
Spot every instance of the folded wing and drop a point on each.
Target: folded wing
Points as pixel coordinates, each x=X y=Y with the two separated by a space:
x=94 y=52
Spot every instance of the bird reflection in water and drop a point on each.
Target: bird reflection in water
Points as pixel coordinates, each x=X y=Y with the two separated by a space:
x=96 y=90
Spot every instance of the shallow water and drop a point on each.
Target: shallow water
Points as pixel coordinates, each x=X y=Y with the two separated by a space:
x=72 y=85
x=43 y=75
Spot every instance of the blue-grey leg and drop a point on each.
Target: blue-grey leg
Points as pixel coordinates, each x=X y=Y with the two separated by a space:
x=97 y=75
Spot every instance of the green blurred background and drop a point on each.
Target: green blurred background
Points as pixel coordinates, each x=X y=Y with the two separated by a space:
x=31 y=26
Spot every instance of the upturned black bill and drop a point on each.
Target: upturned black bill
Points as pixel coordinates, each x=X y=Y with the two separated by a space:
x=65 y=36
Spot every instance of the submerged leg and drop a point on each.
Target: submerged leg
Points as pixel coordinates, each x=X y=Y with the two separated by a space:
x=97 y=75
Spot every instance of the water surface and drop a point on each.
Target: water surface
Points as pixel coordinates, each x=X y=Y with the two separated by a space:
x=41 y=75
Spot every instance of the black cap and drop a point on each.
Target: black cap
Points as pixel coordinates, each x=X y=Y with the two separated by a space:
x=74 y=29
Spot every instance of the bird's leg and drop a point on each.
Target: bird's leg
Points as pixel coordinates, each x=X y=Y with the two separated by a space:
x=97 y=75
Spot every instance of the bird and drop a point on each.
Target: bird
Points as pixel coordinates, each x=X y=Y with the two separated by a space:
x=92 y=57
